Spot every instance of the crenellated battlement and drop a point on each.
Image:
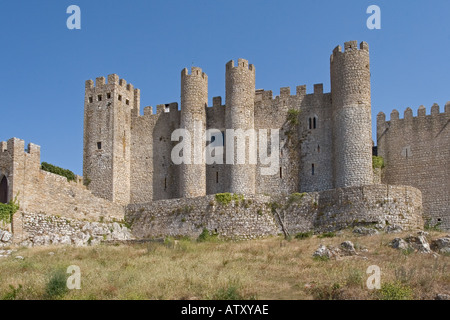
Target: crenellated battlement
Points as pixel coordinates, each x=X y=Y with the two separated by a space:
x=195 y=72
x=408 y=113
x=285 y=92
x=113 y=79
x=242 y=63
x=349 y=47
x=16 y=146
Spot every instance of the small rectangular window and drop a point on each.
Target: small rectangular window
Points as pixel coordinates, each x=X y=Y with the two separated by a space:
x=281 y=173
x=120 y=97
x=217 y=177
x=99 y=97
x=108 y=95
x=99 y=145
x=312 y=169
x=127 y=102
x=91 y=100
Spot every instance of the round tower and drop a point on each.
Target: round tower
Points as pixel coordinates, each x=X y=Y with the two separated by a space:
x=352 y=126
x=239 y=116
x=194 y=100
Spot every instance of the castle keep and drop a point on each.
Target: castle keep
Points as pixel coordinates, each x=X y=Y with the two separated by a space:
x=324 y=179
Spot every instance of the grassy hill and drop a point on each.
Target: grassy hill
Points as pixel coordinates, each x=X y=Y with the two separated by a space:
x=261 y=269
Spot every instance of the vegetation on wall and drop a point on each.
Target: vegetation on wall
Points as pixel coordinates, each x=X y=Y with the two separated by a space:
x=377 y=162
x=59 y=171
x=7 y=210
x=292 y=117
x=226 y=198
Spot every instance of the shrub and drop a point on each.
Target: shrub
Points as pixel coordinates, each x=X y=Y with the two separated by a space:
x=296 y=197
x=59 y=171
x=13 y=293
x=226 y=198
x=292 y=117
x=327 y=292
x=304 y=235
x=394 y=291
x=327 y=235
x=206 y=235
x=377 y=162
x=57 y=285
x=7 y=210
x=229 y=293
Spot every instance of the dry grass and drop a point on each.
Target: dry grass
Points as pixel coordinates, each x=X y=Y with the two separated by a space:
x=260 y=269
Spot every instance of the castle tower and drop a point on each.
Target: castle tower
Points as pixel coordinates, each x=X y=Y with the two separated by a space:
x=106 y=152
x=351 y=115
x=239 y=116
x=194 y=100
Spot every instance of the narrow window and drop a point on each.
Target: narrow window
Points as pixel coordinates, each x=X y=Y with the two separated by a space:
x=99 y=97
x=312 y=169
x=165 y=183
x=310 y=123
x=99 y=145
x=108 y=95
x=217 y=177
x=91 y=100
x=318 y=149
x=406 y=153
x=120 y=97
x=281 y=173
x=315 y=123
x=127 y=102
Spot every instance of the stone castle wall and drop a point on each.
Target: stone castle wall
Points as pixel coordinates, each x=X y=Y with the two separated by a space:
x=416 y=152
x=256 y=215
x=42 y=192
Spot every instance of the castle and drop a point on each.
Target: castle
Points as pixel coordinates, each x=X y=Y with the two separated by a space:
x=324 y=158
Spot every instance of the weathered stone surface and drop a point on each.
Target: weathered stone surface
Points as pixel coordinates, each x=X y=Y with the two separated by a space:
x=399 y=243
x=442 y=296
x=348 y=248
x=419 y=243
x=43 y=230
x=441 y=245
x=393 y=229
x=5 y=236
x=365 y=231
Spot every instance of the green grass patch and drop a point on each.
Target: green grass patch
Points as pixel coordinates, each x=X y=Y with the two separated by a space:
x=327 y=235
x=304 y=235
x=395 y=291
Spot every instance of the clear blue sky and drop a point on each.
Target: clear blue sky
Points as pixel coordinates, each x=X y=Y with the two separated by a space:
x=44 y=65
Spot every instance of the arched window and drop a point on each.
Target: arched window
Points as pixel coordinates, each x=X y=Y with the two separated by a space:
x=4 y=190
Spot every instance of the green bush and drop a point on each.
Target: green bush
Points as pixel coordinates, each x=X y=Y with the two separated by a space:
x=395 y=291
x=377 y=162
x=7 y=210
x=206 y=235
x=304 y=235
x=13 y=293
x=226 y=198
x=229 y=293
x=296 y=197
x=327 y=235
x=57 y=285
x=59 y=171
x=292 y=116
